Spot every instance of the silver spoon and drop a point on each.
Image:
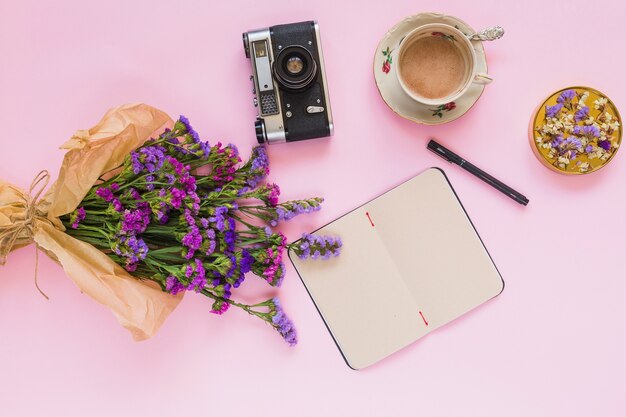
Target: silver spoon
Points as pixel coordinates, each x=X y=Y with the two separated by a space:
x=488 y=34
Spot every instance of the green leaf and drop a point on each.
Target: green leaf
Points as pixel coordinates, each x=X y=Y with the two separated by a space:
x=385 y=53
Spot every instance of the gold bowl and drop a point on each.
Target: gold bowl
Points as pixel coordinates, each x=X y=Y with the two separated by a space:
x=576 y=130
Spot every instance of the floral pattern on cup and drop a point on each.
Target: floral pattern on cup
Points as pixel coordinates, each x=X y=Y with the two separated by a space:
x=388 y=60
x=443 y=108
x=445 y=36
x=577 y=130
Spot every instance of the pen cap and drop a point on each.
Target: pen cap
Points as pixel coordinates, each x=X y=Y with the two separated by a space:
x=444 y=152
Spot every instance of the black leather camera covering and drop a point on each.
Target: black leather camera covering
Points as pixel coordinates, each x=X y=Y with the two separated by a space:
x=302 y=125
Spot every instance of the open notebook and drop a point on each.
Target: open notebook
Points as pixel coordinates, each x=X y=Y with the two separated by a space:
x=411 y=262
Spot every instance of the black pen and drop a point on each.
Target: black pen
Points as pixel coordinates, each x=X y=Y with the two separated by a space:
x=450 y=156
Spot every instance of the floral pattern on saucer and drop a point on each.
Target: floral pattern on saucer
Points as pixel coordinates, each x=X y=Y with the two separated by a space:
x=387 y=64
x=444 y=108
x=385 y=73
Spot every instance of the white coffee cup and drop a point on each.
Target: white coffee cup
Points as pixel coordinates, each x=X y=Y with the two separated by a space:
x=462 y=43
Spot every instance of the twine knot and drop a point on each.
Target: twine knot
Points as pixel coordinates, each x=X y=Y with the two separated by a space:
x=21 y=231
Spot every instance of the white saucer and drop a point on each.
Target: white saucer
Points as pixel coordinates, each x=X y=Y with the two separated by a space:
x=389 y=87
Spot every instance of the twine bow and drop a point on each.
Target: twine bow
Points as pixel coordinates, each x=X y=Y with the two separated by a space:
x=22 y=230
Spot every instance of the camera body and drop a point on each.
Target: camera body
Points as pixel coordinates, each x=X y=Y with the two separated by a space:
x=290 y=85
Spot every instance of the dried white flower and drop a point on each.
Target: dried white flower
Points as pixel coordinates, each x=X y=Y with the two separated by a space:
x=600 y=104
x=583 y=98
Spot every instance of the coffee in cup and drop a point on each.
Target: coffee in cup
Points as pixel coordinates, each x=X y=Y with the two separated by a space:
x=437 y=64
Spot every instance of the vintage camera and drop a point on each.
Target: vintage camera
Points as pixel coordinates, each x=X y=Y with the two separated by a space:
x=290 y=85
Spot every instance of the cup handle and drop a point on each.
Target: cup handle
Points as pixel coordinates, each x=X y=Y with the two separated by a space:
x=482 y=79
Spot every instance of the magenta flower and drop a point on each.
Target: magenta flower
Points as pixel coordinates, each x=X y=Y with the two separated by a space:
x=77 y=216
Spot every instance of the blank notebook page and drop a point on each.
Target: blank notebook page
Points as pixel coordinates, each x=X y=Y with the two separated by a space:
x=411 y=262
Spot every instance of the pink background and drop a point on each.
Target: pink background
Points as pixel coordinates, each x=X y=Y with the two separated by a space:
x=553 y=344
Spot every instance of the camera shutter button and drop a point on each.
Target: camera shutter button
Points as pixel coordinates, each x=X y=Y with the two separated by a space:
x=314 y=109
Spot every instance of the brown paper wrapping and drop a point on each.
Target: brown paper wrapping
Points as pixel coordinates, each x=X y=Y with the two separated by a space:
x=139 y=306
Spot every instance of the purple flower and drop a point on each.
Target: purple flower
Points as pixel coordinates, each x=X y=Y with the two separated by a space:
x=173 y=285
x=77 y=216
x=566 y=96
x=189 y=219
x=315 y=246
x=132 y=248
x=192 y=241
x=572 y=142
x=134 y=194
x=211 y=242
x=147 y=158
x=557 y=141
x=189 y=183
x=260 y=161
x=176 y=197
x=233 y=266
x=219 y=307
x=227 y=292
x=591 y=131
x=246 y=262
x=272 y=258
x=117 y=205
x=270 y=194
x=179 y=168
x=184 y=122
x=283 y=324
x=199 y=279
x=588 y=149
x=605 y=144
x=219 y=218
x=259 y=166
x=288 y=211
x=581 y=114
x=552 y=111
x=170 y=178
x=229 y=239
x=149 y=182
x=105 y=193
x=204 y=151
x=162 y=216
x=136 y=221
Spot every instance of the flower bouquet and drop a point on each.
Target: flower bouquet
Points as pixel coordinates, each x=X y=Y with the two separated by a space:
x=143 y=211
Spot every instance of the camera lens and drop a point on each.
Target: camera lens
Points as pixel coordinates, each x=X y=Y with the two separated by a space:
x=295 y=68
x=294 y=65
